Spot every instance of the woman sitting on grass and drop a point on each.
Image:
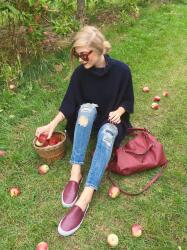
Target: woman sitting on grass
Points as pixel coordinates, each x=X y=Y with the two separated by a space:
x=99 y=98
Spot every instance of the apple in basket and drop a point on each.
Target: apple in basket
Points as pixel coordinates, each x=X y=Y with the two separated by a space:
x=54 y=140
x=42 y=140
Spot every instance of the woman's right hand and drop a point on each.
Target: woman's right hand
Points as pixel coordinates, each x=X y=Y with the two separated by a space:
x=47 y=129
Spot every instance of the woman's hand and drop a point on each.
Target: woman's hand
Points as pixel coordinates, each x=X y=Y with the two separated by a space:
x=115 y=116
x=47 y=129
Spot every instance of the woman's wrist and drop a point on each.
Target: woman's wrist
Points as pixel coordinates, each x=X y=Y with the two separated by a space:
x=60 y=117
x=121 y=110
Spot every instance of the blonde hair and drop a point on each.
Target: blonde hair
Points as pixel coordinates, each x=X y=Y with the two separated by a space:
x=92 y=37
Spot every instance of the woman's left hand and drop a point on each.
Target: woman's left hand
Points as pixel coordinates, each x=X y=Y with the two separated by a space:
x=115 y=116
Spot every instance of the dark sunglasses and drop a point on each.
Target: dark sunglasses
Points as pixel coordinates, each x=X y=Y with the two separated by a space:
x=82 y=55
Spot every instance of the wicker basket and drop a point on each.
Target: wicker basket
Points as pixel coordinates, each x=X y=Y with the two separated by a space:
x=52 y=153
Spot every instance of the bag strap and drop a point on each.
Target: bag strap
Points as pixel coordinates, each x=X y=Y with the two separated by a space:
x=132 y=131
x=137 y=129
x=149 y=183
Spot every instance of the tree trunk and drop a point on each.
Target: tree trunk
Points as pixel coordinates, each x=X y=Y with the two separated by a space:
x=80 y=9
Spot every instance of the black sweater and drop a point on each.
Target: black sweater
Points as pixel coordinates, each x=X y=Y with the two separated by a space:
x=109 y=87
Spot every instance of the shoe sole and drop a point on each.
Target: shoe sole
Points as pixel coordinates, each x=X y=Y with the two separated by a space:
x=68 y=233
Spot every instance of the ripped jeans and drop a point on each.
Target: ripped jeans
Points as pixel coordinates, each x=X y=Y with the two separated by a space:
x=105 y=140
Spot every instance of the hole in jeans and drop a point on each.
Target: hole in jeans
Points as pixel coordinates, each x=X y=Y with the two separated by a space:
x=107 y=138
x=83 y=121
x=108 y=131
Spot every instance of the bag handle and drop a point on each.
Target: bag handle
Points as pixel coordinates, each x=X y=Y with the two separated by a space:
x=143 y=153
x=130 y=131
x=137 y=129
x=148 y=185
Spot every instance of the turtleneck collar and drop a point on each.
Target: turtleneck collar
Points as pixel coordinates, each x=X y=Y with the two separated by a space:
x=102 y=71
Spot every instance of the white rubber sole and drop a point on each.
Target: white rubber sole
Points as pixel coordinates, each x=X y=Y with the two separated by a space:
x=68 y=233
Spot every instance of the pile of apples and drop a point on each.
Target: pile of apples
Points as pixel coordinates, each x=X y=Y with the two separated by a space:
x=156 y=99
x=43 y=141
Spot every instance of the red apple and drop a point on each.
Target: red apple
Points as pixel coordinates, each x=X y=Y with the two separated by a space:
x=46 y=143
x=30 y=29
x=15 y=191
x=165 y=93
x=113 y=191
x=42 y=246
x=2 y=153
x=43 y=169
x=146 y=89
x=12 y=86
x=53 y=141
x=136 y=230
x=42 y=138
x=156 y=98
x=112 y=240
x=154 y=105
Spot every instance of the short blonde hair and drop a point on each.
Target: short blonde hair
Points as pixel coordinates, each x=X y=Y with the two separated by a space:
x=92 y=37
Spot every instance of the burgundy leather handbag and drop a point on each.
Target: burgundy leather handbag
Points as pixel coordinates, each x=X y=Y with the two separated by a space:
x=141 y=153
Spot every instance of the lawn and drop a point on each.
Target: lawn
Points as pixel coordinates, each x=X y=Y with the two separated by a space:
x=155 y=49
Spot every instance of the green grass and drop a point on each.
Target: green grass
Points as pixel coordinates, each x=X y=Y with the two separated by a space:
x=155 y=49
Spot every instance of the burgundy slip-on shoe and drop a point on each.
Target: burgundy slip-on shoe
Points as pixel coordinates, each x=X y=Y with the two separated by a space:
x=72 y=221
x=70 y=193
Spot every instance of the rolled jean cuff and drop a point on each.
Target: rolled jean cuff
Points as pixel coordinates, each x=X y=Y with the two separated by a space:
x=91 y=185
x=76 y=162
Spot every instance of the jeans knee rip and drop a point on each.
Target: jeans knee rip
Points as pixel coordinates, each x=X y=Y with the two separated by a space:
x=83 y=121
x=107 y=138
x=87 y=107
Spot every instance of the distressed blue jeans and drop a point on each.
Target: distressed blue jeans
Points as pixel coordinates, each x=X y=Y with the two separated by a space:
x=105 y=141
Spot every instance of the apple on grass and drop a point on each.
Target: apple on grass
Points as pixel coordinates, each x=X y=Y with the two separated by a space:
x=146 y=89
x=43 y=169
x=12 y=86
x=113 y=191
x=165 y=93
x=2 y=153
x=156 y=98
x=154 y=105
x=30 y=29
x=136 y=230
x=15 y=191
x=42 y=246
x=112 y=240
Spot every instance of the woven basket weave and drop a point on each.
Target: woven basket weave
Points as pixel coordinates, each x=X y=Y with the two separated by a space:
x=52 y=153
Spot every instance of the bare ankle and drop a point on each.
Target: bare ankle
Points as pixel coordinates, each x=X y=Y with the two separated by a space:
x=76 y=172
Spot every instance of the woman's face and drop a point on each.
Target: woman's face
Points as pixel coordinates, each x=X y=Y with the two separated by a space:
x=88 y=57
